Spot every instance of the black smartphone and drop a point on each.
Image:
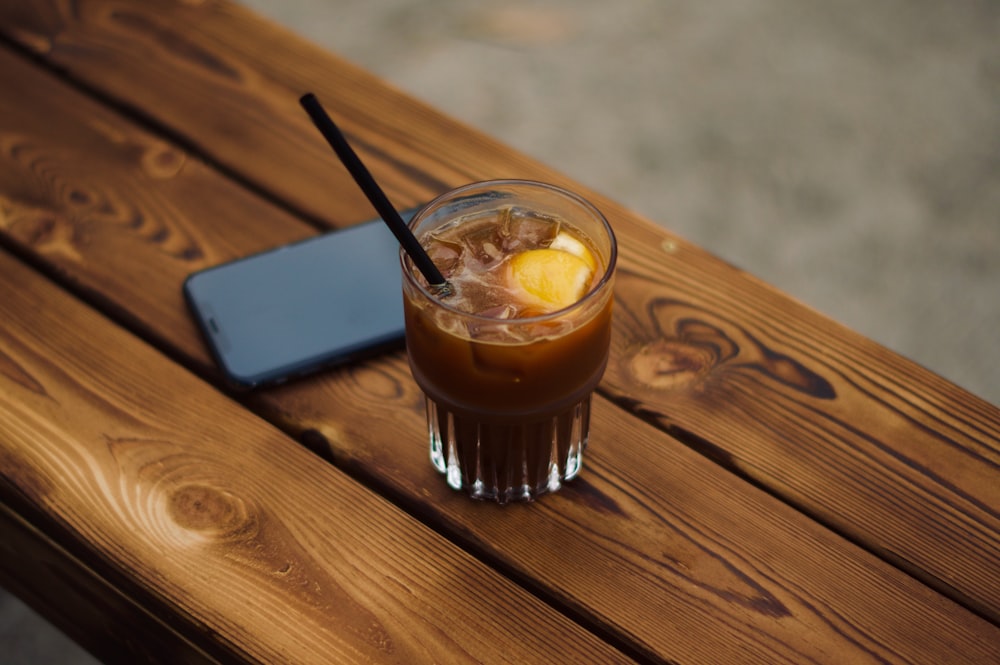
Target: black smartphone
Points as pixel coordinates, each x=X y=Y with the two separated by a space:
x=309 y=305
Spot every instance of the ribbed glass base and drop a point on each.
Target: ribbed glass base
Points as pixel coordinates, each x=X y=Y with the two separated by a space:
x=508 y=461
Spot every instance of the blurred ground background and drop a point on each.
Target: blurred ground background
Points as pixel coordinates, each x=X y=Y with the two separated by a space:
x=847 y=152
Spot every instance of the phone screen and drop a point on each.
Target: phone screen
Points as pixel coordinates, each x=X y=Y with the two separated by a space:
x=290 y=311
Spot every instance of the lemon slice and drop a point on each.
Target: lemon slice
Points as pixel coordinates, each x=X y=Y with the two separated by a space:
x=567 y=243
x=551 y=278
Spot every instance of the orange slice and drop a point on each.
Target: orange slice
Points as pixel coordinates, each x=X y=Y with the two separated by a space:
x=568 y=243
x=550 y=278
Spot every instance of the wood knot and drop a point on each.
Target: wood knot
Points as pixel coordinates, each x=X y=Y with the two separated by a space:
x=671 y=365
x=162 y=163
x=49 y=234
x=211 y=512
x=80 y=197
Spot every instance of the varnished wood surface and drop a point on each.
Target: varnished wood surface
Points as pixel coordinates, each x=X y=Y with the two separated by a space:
x=823 y=418
x=679 y=559
x=230 y=532
x=90 y=610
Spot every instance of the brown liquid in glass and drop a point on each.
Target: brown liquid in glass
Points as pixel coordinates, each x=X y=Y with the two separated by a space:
x=507 y=402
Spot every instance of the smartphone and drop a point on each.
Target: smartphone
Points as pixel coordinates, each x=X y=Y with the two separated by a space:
x=306 y=306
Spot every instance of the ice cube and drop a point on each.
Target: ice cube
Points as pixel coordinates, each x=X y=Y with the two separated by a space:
x=491 y=332
x=503 y=311
x=525 y=230
x=484 y=244
x=446 y=255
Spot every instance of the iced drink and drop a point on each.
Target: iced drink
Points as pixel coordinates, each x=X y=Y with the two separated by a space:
x=508 y=360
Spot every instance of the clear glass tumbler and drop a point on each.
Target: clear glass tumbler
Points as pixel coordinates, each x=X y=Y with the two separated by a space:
x=508 y=390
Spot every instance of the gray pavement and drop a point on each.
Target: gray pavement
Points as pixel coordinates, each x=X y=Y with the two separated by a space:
x=846 y=152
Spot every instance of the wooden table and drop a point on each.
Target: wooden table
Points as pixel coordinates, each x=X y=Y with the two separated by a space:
x=762 y=485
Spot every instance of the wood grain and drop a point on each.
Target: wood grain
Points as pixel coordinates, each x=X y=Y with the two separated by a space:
x=881 y=450
x=120 y=214
x=89 y=610
x=671 y=547
x=664 y=546
x=222 y=527
x=211 y=60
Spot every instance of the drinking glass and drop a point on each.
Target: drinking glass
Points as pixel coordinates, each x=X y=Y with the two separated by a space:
x=508 y=399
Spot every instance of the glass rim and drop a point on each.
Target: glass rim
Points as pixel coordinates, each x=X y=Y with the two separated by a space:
x=408 y=267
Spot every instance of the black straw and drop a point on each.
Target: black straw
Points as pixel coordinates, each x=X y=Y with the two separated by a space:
x=371 y=189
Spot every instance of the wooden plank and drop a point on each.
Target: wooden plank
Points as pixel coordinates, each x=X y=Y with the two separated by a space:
x=883 y=451
x=672 y=548
x=223 y=528
x=111 y=626
x=654 y=544
x=175 y=59
x=876 y=447
x=116 y=210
